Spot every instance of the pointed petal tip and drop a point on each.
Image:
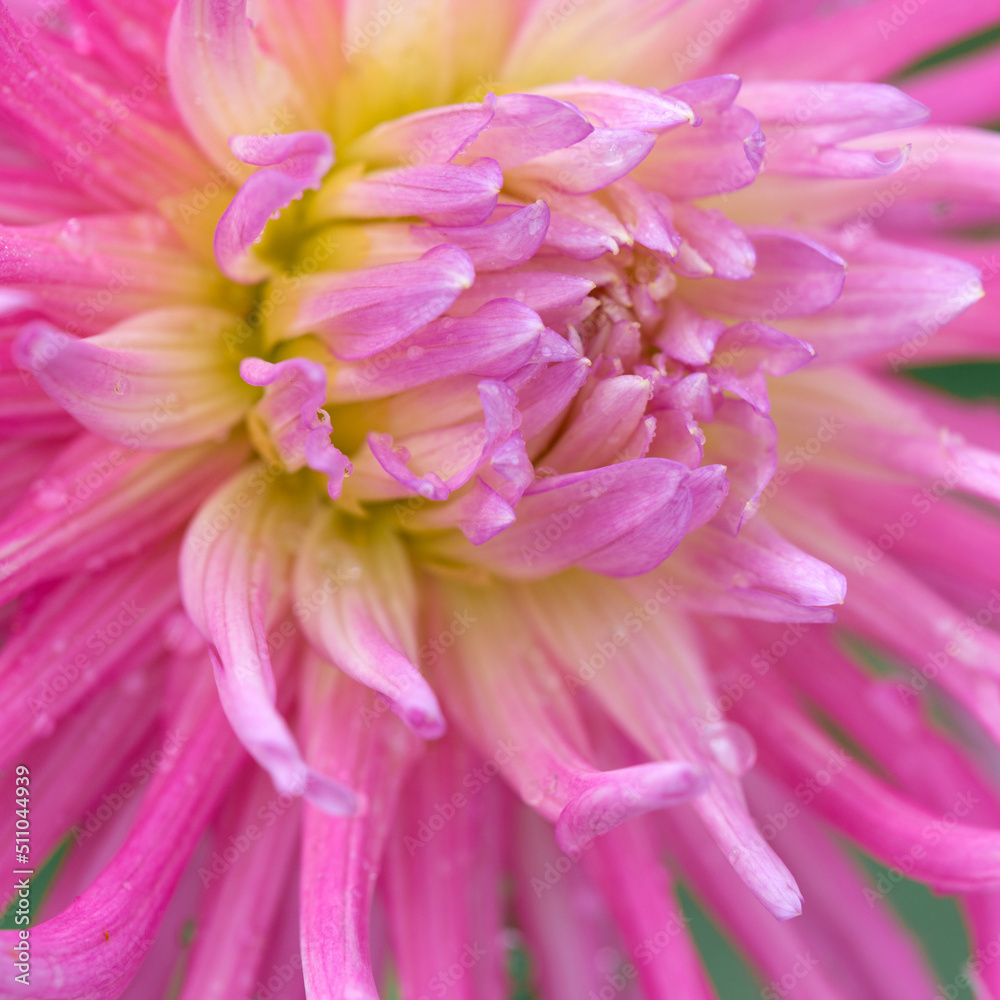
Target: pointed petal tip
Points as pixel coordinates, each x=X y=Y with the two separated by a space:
x=426 y=725
x=421 y=712
x=786 y=904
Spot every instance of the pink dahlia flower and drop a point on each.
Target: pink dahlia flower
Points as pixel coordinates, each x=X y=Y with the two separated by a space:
x=436 y=437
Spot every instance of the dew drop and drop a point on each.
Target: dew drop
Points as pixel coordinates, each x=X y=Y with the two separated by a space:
x=731 y=746
x=133 y=684
x=49 y=496
x=349 y=571
x=82 y=44
x=71 y=239
x=43 y=725
x=533 y=795
x=414 y=353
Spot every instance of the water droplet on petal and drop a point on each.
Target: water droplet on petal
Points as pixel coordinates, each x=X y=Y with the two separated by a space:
x=533 y=795
x=414 y=353
x=43 y=725
x=134 y=683
x=49 y=496
x=71 y=239
x=731 y=746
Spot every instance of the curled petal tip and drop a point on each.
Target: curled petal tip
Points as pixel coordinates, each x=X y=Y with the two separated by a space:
x=331 y=796
x=37 y=343
x=427 y=725
x=418 y=707
x=621 y=795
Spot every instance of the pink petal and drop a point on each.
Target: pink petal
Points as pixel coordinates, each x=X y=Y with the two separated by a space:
x=620 y=520
x=582 y=228
x=495 y=246
x=794 y=276
x=52 y=106
x=857 y=803
x=264 y=830
x=647 y=216
x=456 y=453
x=633 y=792
x=892 y=294
x=85 y=633
x=748 y=352
x=357 y=605
x=653 y=682
x=91 y=272
x=805 y=121
x=628 y=867
x=496 y=340
x=549 y=293
x=527 y=126
x=74 y=767
x=760 y=559
x=221 y=85
x=360 y=313
x=604 y=156
x=727 y=250
x=341 y=856
x=544 y=392
x=745 y=442
x=94 y=947
x=291 y=164
x=561 y=921
x=960 y=90
x=162 y=379
x=605 y=421
x=722 y=154
x=292 y=418
x=614 y=105
x=771 y=946
x=436 y=135
x=884 y=39
x=687 y=335
x=522 y=718
x=443 y=886
x=444 y=194
x=98 y=502
x=234 y=584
